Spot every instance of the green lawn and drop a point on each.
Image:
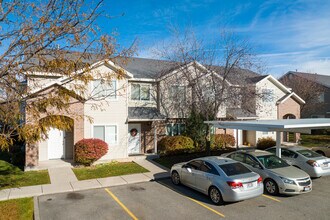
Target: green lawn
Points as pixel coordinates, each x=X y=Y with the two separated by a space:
x=14 y=209
x=308 y=140
x=108 y=169
x=11 y=176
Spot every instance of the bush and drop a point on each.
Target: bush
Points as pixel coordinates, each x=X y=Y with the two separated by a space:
x=171 y=145
x=219 y=141
x=88 y=151
x=264 y=143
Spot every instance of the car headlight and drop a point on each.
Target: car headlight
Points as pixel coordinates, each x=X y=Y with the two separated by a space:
x=287 y=181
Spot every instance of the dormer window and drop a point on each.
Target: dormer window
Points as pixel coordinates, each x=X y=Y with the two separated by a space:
x=140 y=92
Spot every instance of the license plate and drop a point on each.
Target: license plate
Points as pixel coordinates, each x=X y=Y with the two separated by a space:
x=308 y=188
x=249 y=185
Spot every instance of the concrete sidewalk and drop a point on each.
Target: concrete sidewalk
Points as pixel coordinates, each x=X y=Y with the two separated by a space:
x=64 y=180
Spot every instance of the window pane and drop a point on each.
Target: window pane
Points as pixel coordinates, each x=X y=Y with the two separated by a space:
x=111 y=134
x=176 y=129
x=234 y=169
x=99 y=132
x=169 y=130
x=135 y=92
x=145 y=92
x=103 y=89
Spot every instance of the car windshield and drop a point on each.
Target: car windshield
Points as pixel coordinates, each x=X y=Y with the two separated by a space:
x=309 y=153
x=232 y=169
x=272 y=162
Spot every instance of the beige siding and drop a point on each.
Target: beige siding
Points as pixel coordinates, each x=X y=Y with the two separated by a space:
x=109 y=112
x=267 y=110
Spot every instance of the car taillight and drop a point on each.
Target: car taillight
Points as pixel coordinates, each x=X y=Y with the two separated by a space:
x=235 y=185
x=259 y=179
x=313 y=163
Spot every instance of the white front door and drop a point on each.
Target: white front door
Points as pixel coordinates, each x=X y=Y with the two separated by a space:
x=55 y=144
x=134 y=141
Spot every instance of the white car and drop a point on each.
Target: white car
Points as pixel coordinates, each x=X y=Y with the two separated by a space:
x=316 y=165
x=223 y=179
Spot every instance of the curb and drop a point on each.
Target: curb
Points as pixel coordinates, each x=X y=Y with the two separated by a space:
x=36 y=214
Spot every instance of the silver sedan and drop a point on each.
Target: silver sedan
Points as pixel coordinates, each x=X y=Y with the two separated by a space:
x=279 y=176
x=309 y=161
x=222 y=179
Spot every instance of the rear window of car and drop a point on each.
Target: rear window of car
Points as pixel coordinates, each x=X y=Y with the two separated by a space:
x=309 y=153
x=233 y=169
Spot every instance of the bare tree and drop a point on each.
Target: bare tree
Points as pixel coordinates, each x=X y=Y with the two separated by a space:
x=58 y=38
x=308 y=89
x=216 y=84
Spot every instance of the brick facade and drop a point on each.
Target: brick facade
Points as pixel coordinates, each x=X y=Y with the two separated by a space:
x=289 y=107
x=75 y=111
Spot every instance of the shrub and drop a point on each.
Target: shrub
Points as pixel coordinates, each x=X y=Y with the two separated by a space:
x=219 y=141
x=264 y=143
x=171 y=145
x=88 y=151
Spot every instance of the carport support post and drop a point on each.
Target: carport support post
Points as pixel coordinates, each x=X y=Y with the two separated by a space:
x=278 y=144
x=155 y=140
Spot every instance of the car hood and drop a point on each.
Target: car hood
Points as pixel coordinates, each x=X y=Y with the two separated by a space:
x=290 y=172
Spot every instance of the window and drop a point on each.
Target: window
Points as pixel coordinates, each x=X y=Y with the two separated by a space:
x=272 y=162
x=178 y=93
x=104 y=89
x=175 y=129
x=265 y=132
x=251 y=161
x=194 y=164
x=288 y=153
x=308 y=153
x=267 y=95
x=232 y=169
x=238 y=157
x=140 y=92
x=208 y=168
x=321 y=97
x=107 y=133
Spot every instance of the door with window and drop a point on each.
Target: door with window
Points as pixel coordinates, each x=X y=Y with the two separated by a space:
x=134 y=139
x=205 y=175
x=188 y=174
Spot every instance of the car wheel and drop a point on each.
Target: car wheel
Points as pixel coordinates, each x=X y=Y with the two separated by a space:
x=271 y=187
x=175 y=178
x=215 y=195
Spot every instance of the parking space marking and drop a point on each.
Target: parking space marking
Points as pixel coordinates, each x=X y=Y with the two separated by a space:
x=198 y=202
x=205 y=206
x=272 y=198
x=121 y=204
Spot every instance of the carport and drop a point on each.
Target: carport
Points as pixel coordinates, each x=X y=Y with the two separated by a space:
x=278 y=126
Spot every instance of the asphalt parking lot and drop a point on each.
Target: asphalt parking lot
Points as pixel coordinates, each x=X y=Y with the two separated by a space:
x=163 y=200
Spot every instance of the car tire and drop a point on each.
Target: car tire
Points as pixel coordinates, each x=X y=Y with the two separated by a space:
x=215 y=195
x=271 y=187
x=175 y=178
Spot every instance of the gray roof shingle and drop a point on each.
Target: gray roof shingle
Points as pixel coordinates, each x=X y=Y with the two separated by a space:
x=320 y=79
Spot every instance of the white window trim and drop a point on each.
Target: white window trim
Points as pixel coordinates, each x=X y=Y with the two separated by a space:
x=140 y=100
x=107 y=98
x=117 y=129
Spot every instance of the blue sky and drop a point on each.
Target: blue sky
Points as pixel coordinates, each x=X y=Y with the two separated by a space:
x=287 y=35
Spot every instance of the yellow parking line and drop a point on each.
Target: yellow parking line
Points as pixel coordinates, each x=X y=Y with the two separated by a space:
x=121 y=204
x=269 y=197
x=198 y=202
x=205 y=206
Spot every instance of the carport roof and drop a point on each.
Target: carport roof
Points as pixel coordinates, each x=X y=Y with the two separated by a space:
x=290 y=125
